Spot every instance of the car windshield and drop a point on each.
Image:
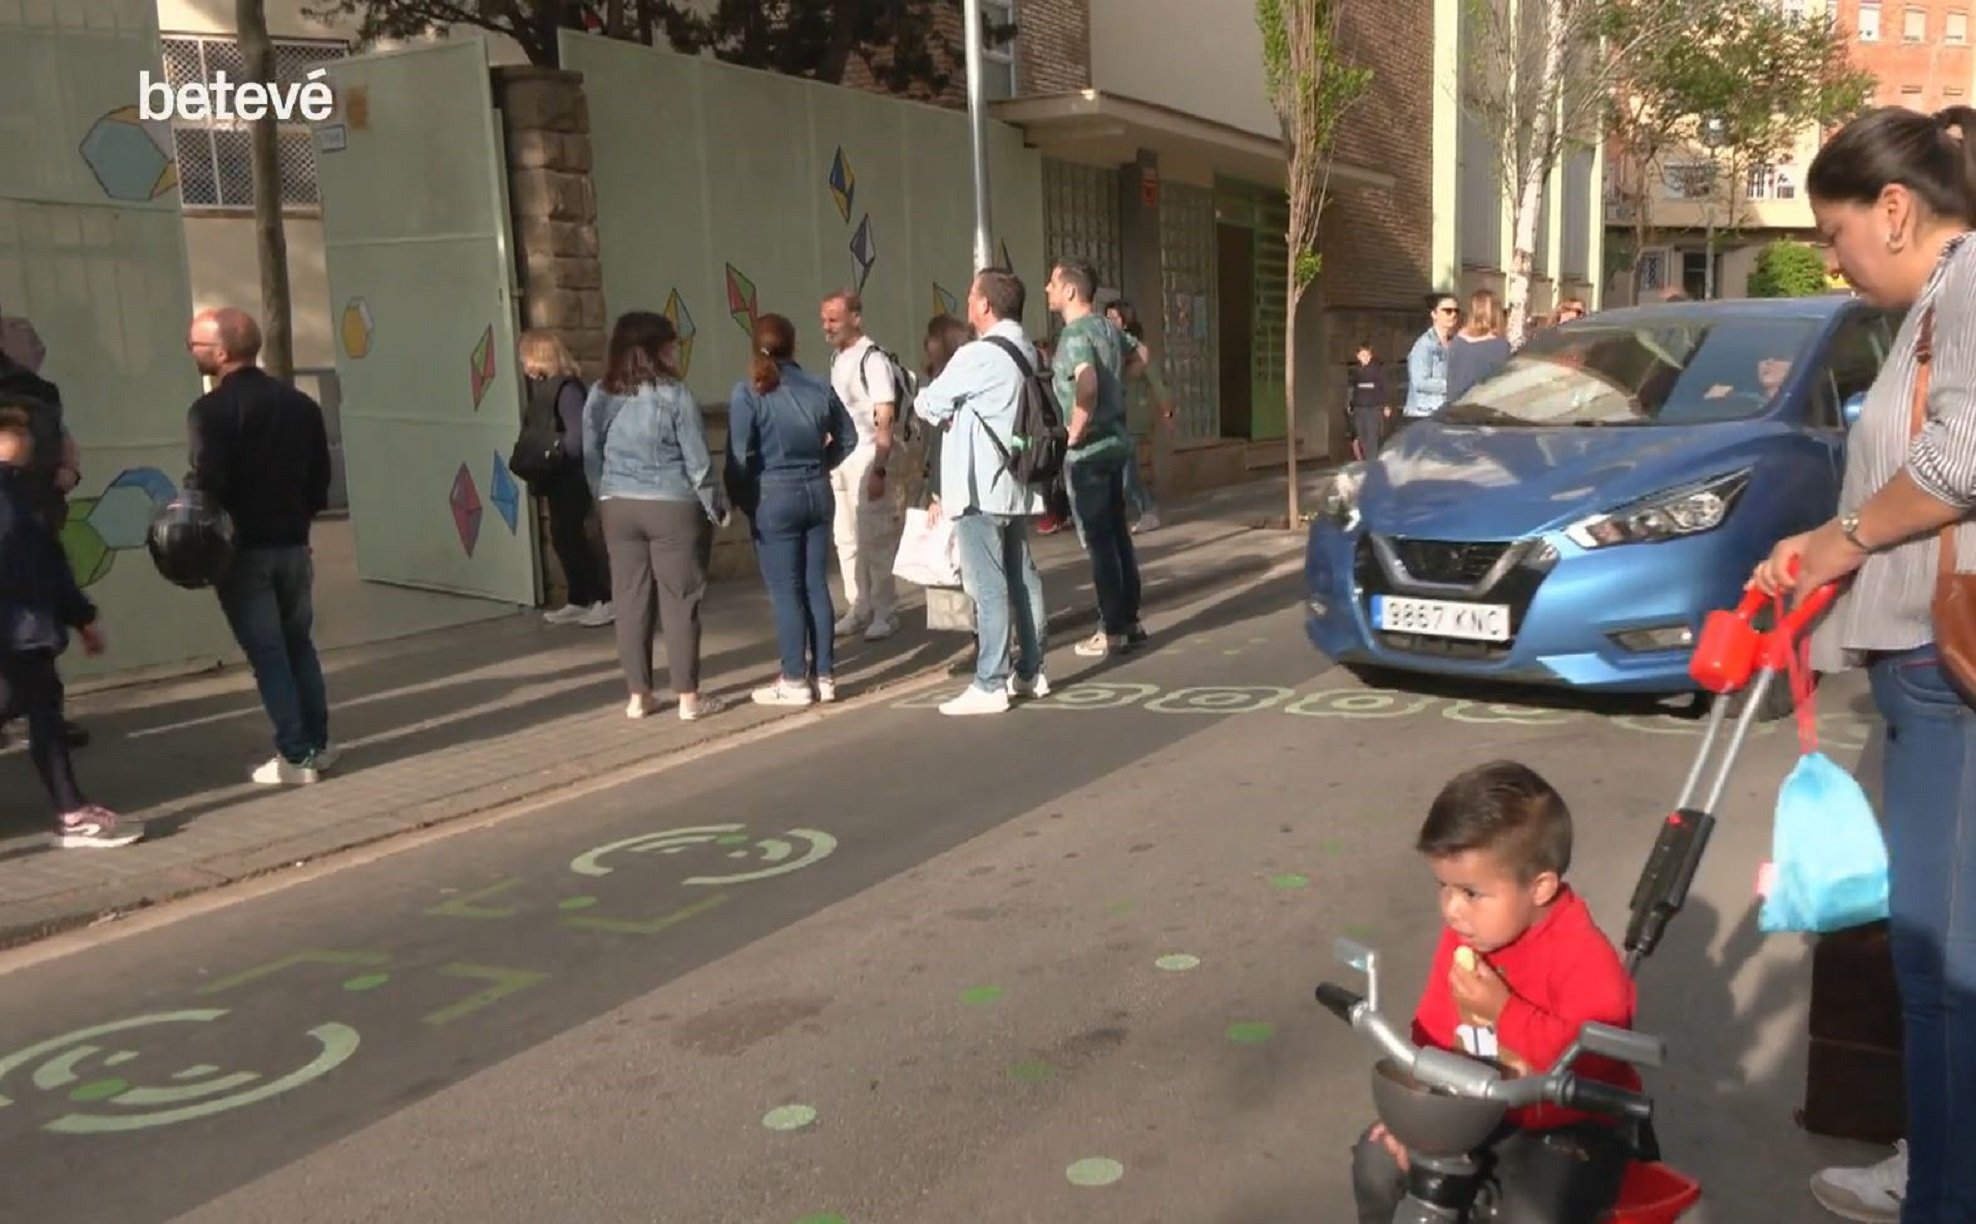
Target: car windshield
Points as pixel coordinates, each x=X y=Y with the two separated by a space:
x=1667 y=370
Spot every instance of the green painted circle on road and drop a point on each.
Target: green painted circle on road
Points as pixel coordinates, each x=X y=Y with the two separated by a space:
x=981 y=994
x=823 y=1219
x=789 y=1117
x=368 y=981
x=1032 y=1071
x=576 y=903
x=1290 y=880
x=99 y=1090
x=1094 y=1171
x=1179 y=962
x=733 y=839
x=1251 y=1032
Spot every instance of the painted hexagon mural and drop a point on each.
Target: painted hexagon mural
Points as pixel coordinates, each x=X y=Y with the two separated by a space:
x=115 y=520
x=129 y=157
x=356 y=328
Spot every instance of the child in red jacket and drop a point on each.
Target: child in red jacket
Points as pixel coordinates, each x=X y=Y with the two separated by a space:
x=1520 y=968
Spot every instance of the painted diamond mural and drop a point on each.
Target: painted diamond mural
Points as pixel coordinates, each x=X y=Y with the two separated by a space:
x=864 y=252
x=129 y=157
x=465 y=503
x=682 y=323
x=506 y=495
x=843 y=184
x=356 y=328
x=944 y=302
x=741 y=300
x=1008 y=260
x=483 y=366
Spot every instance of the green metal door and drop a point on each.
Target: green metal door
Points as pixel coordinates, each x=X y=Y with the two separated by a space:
x=421 y=281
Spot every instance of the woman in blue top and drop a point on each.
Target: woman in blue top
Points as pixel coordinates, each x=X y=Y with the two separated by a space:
x=645 y=456
x=786 y=432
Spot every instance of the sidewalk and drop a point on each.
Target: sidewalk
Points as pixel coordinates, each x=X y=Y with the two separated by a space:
x=457 y=722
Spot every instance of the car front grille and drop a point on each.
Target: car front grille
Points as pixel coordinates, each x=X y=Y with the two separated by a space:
x=1454 y=563
x=1448 y=561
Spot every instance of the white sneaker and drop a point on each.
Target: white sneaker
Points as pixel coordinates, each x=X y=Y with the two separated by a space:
x=783 y=693
x=826 y=689
x=1039 y=686
x=976 y=700
x=280 y=771
x=1098 y=646
x=849 y=623
x=641 y=706
x=700 y=709
x=327 y=756
x=597 y=615
x=568 y=614
x=1149 y=521
x=1872 y=1194
x=882 y=628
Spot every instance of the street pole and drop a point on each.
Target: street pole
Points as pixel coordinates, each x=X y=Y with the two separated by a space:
x=977 y=121
x=1708 y=251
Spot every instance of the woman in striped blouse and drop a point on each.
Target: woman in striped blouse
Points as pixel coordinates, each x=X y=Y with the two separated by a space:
x=1894 y=194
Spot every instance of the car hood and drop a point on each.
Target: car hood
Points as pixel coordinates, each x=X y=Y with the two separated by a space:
x=1488 y=482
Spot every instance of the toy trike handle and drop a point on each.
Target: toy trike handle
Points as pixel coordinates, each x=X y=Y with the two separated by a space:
x=1597 y=1096
x=1339 y=1001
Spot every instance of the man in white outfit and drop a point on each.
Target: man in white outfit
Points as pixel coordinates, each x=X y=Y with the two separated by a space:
x=862 y=378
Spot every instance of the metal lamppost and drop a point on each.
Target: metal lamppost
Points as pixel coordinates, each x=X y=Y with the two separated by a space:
x=1714 y=131
x=977 y=119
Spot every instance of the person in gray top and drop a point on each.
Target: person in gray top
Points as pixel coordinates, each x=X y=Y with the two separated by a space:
x=1894 y=197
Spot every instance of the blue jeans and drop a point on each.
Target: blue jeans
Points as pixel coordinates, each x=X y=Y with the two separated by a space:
x=1097 y=502
x=267 y=601
x=999 y=575
x=1930 y=802
x=792 y=542
x=1138 y=502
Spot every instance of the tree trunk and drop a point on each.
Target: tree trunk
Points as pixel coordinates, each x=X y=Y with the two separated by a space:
x=1516 y=282
x=1536 y=168
x=614 y=18
x=1642 y=226
x=270 y=237
x=1296 y=296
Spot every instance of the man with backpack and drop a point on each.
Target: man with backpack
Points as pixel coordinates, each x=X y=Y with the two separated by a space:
x=872 y=384
x=1090 y=381
x=1003 y=442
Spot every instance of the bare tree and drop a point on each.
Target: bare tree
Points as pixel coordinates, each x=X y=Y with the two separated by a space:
x=1540 y=78
x=1312 y=85
x=270 y=235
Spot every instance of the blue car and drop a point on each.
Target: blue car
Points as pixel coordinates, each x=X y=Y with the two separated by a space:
x=1572 y=520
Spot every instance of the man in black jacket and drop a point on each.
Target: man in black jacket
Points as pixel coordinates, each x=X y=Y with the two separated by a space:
x=261 y=451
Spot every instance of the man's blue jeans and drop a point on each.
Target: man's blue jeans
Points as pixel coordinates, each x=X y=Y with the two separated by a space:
x=267 y=600
x=999 y=575
x=1930 y=816
x=1097 y=502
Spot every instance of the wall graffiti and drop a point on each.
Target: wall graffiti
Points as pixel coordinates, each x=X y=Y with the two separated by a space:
x=96 y=1076
x=463 y=499
x=742 y=302
x=115 y=520
x=683 y=327
x=481 y=364
x=1836 y=729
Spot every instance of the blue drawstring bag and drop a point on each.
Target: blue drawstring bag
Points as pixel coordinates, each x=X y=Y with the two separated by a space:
x=1828 y=857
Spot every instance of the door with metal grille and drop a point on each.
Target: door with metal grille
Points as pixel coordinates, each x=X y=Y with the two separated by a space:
x=1080 y=221
x=421 y=278
x=1187 y=280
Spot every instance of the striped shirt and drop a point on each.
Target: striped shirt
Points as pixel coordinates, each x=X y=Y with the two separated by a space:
x=1887 y=606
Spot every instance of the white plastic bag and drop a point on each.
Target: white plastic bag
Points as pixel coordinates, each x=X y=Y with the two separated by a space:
x=929 y=556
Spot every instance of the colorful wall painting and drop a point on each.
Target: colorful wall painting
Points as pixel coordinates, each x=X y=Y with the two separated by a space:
x=483 y=366
x=864 y=252
x=843 y=184
x=741 y=300
x=464 y=501
x=129 y=157
x=944 y=302
x=355 y=329
x=505 y=493
x=683 y=325
x=115 y=520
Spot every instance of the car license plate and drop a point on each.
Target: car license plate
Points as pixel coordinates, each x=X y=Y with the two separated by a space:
x=1442 y=618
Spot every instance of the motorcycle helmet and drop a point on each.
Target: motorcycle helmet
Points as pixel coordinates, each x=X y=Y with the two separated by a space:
x=191 y=540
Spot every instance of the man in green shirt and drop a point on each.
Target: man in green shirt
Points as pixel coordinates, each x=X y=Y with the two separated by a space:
x=1090 y=385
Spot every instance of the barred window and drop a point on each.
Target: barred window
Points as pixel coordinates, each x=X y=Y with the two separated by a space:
x=215 y=157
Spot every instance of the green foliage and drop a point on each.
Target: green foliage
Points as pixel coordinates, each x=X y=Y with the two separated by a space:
x=1787 y=269
x=818 y=39
x=1312 y=85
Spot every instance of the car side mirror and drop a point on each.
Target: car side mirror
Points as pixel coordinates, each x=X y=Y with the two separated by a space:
x=1850 y=410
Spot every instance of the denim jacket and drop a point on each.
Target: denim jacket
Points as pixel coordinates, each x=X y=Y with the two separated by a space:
x=39 y=598
x=799 y=431
x=1427 y=375
x=650 y=445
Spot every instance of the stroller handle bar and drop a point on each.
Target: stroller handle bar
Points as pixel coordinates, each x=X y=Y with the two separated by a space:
x=1462 y=1076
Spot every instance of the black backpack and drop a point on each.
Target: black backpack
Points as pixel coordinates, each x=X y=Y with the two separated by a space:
x=538 y=456
x=905 y=388
x=1035 y=452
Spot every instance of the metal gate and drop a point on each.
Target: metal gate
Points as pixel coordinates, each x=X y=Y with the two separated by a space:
x=1080 y=221
x=422 y=291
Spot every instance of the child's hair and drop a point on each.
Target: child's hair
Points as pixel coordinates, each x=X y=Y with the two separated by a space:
x=1505 y=808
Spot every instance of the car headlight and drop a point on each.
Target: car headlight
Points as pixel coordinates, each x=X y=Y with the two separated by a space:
x=1340 y=500
x=1688 y=510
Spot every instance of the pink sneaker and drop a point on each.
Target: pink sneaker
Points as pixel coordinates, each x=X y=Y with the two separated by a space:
x=94 y=827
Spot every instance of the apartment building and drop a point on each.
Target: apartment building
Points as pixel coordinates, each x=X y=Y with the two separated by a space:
x=1919 y=52
x=1163 y=165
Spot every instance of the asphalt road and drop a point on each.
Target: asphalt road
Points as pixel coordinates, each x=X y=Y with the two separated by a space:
x=883 y=967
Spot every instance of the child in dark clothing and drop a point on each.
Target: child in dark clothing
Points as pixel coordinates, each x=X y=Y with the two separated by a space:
x=1520 y=968
x=39 y=603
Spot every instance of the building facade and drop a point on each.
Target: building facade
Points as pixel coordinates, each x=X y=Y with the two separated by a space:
x=1703 y=209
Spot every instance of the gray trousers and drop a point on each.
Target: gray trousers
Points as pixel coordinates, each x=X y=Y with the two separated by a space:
x=659 y=551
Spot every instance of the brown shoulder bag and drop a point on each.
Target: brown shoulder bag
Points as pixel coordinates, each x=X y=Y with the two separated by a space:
x=1954 y=605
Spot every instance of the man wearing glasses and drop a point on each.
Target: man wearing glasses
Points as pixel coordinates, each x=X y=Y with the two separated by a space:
x=1427 y=364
